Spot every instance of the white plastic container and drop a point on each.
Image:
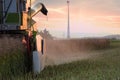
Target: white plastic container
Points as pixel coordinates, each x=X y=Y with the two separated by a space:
x=36 y=62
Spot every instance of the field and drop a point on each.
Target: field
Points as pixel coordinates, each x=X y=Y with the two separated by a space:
x=104 y=66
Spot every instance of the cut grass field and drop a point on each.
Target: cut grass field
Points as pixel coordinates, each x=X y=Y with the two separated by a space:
x=105 y=66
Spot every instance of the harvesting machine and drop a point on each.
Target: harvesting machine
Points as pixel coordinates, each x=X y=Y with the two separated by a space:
x=16 y=19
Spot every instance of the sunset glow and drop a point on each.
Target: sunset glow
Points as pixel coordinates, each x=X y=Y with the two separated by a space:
x=86 y=17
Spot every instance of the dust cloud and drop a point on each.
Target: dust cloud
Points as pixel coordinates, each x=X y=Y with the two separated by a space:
x=10 y=44
x=68 y=50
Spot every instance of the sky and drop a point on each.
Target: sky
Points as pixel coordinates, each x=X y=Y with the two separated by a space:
x=87 y=17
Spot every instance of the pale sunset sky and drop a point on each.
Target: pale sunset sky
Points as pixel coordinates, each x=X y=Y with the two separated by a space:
x=90 y=18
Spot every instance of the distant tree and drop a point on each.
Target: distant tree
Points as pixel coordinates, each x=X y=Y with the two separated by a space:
x=45 y=34
x=114 y=38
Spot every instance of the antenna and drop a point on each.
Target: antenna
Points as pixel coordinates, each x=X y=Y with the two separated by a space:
x=68 y=28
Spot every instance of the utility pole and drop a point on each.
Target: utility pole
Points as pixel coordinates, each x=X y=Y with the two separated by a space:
x=68 y=28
